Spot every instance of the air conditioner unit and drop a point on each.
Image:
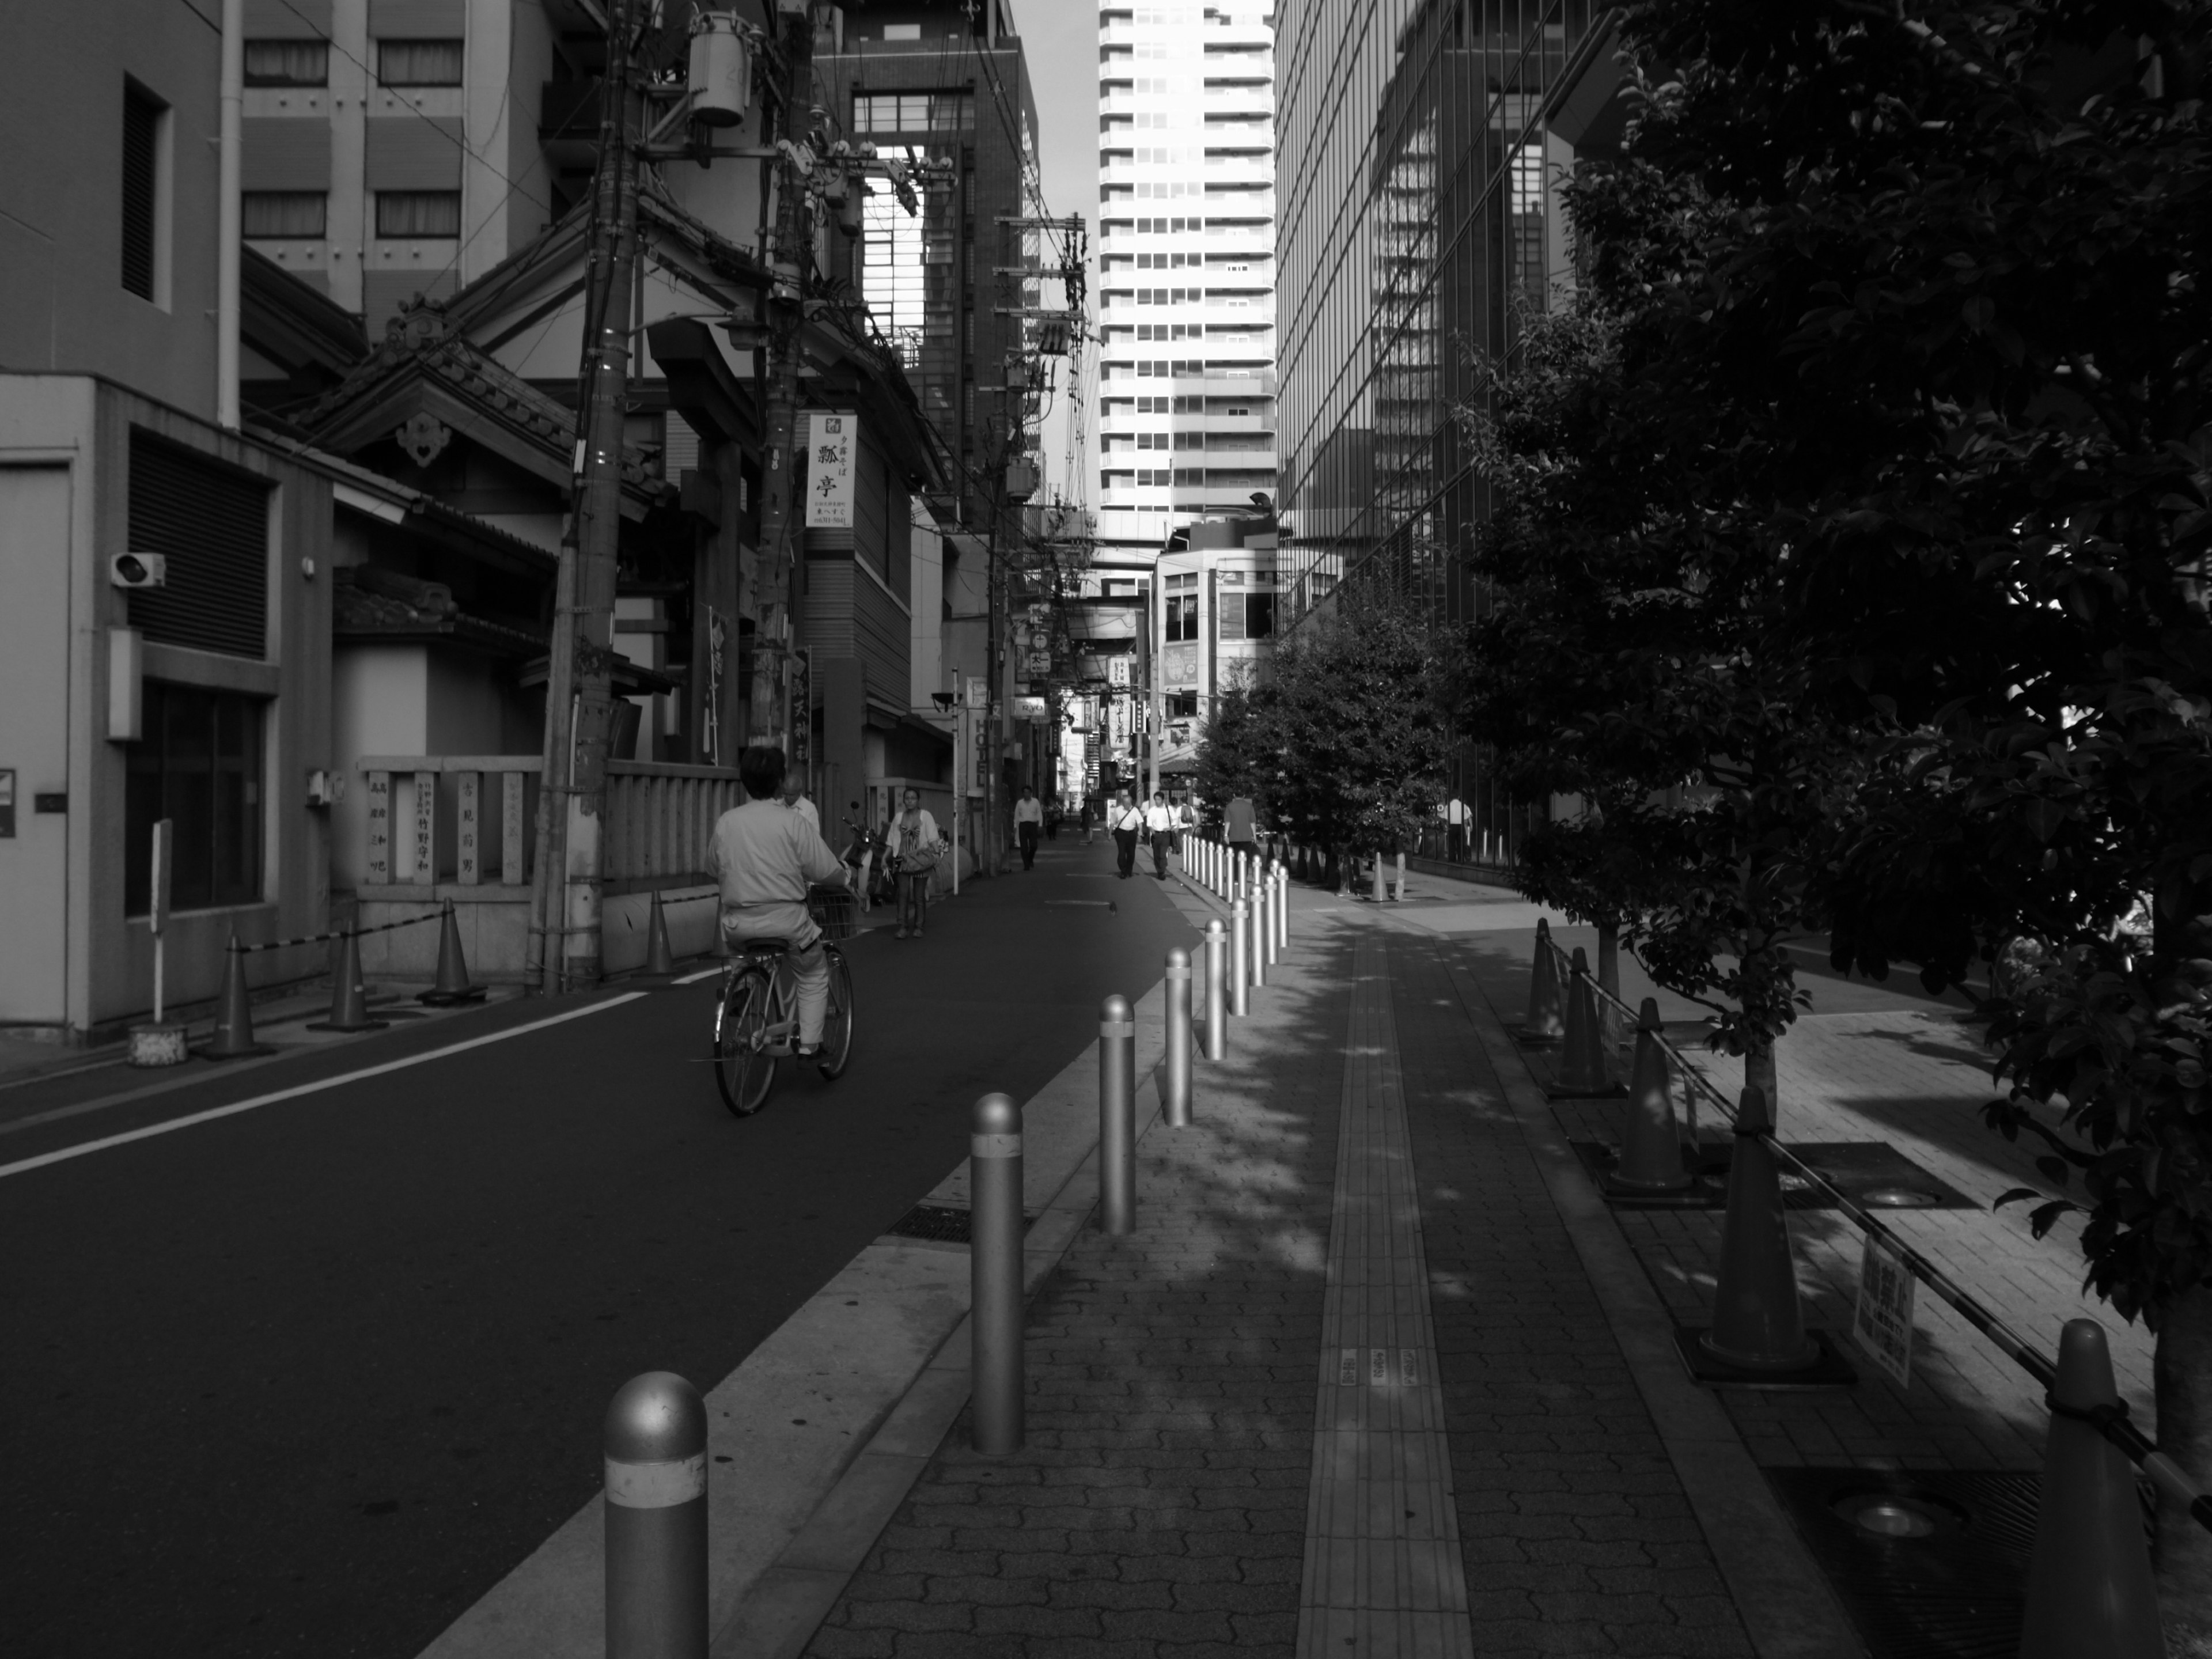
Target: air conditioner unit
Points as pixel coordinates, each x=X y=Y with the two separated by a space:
x=138 y=569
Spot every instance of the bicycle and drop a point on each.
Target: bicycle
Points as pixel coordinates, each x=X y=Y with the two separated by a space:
x=757 y=1023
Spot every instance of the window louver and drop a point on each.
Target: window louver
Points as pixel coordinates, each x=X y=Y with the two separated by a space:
x=213 y=523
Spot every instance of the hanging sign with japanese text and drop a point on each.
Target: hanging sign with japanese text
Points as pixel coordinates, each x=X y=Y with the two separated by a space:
x=830 y=435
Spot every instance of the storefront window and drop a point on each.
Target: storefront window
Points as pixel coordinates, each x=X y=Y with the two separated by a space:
x=198 y=765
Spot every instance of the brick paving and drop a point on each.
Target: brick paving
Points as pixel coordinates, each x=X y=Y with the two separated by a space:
x=1576 y=1535
x=1160 y=1505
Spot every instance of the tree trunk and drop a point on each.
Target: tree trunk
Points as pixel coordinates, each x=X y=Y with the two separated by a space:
x=1611 y=1023
x=1759 y=1074
x=2181 y=1372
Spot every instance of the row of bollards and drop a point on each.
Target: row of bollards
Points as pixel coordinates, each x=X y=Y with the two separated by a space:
x=656 y=1429
x=2089 y=1587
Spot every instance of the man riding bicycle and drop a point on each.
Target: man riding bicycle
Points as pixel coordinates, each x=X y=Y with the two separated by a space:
x=763 y=856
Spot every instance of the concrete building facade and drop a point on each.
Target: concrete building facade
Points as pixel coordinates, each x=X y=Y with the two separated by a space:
x=201 y=697
x=1186 y=391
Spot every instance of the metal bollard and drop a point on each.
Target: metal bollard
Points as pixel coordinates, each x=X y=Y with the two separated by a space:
x=1217 y=990
x=1271 y=930
x=1175 y=1103
x=1117 y=1116
x=1258 y=922
x=655 y=1440
x=995 y=1269
x=1282 y=911
x=1240 y=958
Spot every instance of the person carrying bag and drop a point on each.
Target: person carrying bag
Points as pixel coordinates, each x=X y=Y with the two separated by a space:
x=916 y=846
x=1127 y=820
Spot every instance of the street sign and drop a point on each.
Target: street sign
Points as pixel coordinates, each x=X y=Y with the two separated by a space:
x=1883 y=1322
x=165 y=859
x=829 y=469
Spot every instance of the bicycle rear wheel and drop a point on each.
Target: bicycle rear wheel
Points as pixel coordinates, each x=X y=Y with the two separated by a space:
x=837 y=1022
x=744 y=1069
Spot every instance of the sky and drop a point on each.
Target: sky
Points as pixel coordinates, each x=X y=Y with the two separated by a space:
x=1060 y=41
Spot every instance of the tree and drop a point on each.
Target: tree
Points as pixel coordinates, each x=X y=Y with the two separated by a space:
x=1936 y=301
x=1344 y=742
x=1237 y=751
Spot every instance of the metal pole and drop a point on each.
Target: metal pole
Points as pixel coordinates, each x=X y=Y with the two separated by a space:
x=1217 y=990
x=1117 y=1116
x=1256 y=920
x=656 y=1520
x=1274 y=930
x=1240 y=957
x=1282 y=911
x=994 y=1266
x=1177 y=1102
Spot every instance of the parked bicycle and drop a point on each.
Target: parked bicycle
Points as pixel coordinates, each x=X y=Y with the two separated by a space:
x=757 y=1016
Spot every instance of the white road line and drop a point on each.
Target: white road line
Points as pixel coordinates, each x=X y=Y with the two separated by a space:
x=704 y=972
x=62 y=1155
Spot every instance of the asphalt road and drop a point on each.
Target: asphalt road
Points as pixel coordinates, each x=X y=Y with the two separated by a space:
x=311 y=1378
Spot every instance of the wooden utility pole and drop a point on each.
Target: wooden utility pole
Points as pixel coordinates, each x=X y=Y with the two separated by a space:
x=579 y=686
x=794 y=254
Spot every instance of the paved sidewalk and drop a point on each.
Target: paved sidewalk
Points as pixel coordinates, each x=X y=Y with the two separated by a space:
x=1165 y=1501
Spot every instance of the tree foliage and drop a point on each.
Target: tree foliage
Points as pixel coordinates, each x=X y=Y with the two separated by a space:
x=1896 y=343
x=1342 y=742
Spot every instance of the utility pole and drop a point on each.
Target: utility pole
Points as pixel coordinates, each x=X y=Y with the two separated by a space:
x=579 y=686
x=772 y=643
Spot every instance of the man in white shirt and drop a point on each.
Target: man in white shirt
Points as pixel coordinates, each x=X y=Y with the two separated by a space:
x=1029 y=818
x=763 y=856
x=1159 y=828
x=795 y=797
x=1126 y=819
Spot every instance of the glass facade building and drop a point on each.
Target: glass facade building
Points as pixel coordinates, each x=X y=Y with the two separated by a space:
x=1421 y=150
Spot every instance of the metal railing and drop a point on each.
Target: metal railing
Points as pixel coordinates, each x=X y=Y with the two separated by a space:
x=2114 y=1426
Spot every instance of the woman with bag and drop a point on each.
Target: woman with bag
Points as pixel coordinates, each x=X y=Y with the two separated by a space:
x=916 y=846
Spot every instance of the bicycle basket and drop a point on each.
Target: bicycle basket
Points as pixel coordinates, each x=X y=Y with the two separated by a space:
x=835 y=911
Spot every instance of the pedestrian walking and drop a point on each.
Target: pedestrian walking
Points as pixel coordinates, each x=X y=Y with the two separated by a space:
x=1159 y=828
x=1029 y=818
x=1126 y=821
x=916 y=845
x=1089 y=823
x=1238 y=821
x=1185 y=822
x=1052 y=819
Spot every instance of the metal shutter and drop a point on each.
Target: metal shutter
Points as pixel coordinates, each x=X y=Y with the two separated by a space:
x=213 y=523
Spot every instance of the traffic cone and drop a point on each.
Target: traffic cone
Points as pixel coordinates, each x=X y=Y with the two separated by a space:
x=452 y=982
x=2090 y=1586
x=1378 y=894
x=349 y=999
x=1757 y=1323
x=1543 y=1024
x=233 y=1027
x=1650 y=1146
x=1582 y=1068
x=658 y=959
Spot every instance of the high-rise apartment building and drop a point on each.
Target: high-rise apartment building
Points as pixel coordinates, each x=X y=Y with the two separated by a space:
x=1425 y=142
x=1186 y=391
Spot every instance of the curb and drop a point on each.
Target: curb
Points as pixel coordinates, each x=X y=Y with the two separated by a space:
x=789 y=1602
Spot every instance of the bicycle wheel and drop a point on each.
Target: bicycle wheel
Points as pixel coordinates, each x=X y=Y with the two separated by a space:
x=744 y=1070
x=837 y=1024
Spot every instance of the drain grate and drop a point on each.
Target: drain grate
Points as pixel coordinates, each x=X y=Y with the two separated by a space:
x=1872 y=1173
x=1932 y=1565
x=941 y=1224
